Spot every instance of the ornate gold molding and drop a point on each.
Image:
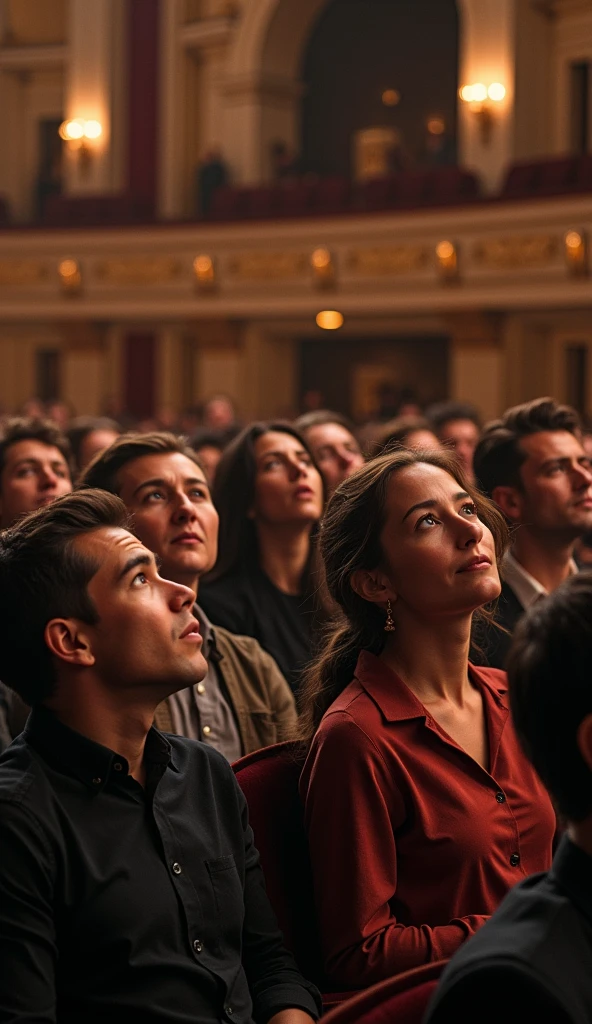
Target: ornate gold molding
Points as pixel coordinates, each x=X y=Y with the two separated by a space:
x=138 y=270
x=516 y=251
x=22 y=272
x=261 y=266
x=400 y=259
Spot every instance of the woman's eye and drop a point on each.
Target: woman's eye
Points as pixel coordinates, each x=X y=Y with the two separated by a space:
x=154 y=495
x=429 y=520
x=272 y=464
x=470 y=508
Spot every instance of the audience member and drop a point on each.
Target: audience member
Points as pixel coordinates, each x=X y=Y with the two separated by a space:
x=269 y=494
x=35 y=467
x=212 y=173
x=130 y=886
x=405 y=432
x=60 y=411
x=332 y=441
x=532 y=463
x=219 y=414
x=89 y=435
x=420 y=807
x=531 y=962
x=458 y=425
x=208 y=445
x=243 y=703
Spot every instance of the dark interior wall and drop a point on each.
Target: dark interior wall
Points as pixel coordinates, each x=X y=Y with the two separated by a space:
x=419 y=364
x=359 y=48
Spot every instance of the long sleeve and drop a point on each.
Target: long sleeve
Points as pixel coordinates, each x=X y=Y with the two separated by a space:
x=28 y=948
x=353 y=810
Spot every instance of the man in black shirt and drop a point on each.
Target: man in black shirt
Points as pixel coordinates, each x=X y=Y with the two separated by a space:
x=532 y=961
x=130 y=888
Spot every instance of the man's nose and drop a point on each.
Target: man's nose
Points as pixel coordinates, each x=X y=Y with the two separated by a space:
x=48 y=477
x=184 y=507
x=181 y=597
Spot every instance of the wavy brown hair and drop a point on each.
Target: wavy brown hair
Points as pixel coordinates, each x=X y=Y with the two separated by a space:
x=350 y=541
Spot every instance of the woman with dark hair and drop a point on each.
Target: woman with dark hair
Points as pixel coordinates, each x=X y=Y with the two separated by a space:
x=269 y=495
x=421 y=809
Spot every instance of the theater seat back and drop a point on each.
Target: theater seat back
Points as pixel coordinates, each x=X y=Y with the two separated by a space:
x=403 y=999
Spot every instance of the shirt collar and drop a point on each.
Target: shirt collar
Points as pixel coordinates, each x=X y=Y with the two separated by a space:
x=80 y=756
x=397 y=702
x=209 y=647
x=572 y=870
x=528 y=590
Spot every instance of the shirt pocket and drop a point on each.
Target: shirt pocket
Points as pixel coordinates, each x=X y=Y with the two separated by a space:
x=229 y=901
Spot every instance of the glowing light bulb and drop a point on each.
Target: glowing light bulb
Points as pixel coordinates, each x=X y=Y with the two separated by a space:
x=329 y=319
x=93 y=129
x=496 y=92
x=479 y=93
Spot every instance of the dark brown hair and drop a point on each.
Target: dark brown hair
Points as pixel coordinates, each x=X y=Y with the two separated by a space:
x=499 y=455
x=43 y=576
x=82 y=426
x=104 y=469
x=349 y=541
x=446 y=412
x=24 y=428
x=550 y=692
x=395 y=433
x=233 y=494
x=320 y=417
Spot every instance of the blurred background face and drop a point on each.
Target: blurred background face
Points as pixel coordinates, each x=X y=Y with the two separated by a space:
x=173 y=513
x=209 y=456
x=95 y=441
x=336 y=451
x=462 y=436
x=556 y=492
x=437 y=554
x=422 y=439
x=34 y=474
x=288 y=487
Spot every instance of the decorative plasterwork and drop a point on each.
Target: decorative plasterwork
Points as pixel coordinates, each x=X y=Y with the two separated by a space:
x=15 y=273
x=144 y=270
x=262 y=266
x=400 y=259
x=516 y=251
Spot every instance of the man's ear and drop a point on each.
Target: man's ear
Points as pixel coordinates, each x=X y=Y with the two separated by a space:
x=510 y=501
x=584 y=740
x=372 y=586
x=68 y=640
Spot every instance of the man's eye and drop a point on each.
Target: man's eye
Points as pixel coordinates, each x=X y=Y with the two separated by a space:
x=197 y=492
x=154 y=495
x=139 y=579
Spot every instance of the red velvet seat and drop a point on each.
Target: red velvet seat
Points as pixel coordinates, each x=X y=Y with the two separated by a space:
x=331 y=195
x=295 y=198
x=400 y=1000
x=261 y=202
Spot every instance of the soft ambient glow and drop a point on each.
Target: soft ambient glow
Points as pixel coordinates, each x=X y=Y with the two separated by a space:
x=479 y=93
x=93 y=129
x=77 y=128
x=391 y=97
x=436 y=125
x=466 y=93
x=202 y=264
x=496 y=92
x=68 y=268
x=329 y=319
x=444 y=250
x=573 y=240
x=320 y=259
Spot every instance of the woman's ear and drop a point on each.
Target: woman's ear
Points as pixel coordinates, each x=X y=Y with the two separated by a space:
x=68 y=640
x=372 y=586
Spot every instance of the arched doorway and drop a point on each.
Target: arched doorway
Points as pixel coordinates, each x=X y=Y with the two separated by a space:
x=380 y=63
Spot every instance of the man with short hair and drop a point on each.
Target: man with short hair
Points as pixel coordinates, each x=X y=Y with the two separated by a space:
x=330 y=437
x=35 y=467
x=458 y=426
x=244 y=702
x=532 y=463
x=130 y=887
x=532 y=960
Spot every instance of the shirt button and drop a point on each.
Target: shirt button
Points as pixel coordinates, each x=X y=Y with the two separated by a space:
x=206 y=730
x=118 y=766
x=197 y=945
x=97 y=782
x=200 y=688
x=500 y=798
x=228 y=1010
x=515 y=860
x=177 y=869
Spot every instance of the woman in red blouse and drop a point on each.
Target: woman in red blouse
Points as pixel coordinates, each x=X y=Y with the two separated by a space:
x=420 y=807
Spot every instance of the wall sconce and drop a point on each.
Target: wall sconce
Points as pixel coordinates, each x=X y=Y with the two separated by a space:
x=323 y=268
x=204 y=272
x=482 y=101
x=78 y=133
x=447 y=261
x=576 y=253
x=329 y=320
x=70 y=276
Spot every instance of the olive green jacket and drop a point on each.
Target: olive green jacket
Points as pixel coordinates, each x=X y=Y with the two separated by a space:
x=260 y=696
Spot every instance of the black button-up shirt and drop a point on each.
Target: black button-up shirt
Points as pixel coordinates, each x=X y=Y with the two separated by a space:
x=119 y=902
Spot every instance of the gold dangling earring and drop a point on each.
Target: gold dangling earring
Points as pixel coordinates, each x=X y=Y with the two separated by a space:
x=389 y=626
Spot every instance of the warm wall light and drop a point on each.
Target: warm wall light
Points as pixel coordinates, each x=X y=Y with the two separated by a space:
x=391 y=97
x=576 y=255
x=78 y=132
x=482 y=101
x=447 y=260
x=205 y=274
x=70 y=276
x=436 y=125
x=323 y=268
x=329 y=319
